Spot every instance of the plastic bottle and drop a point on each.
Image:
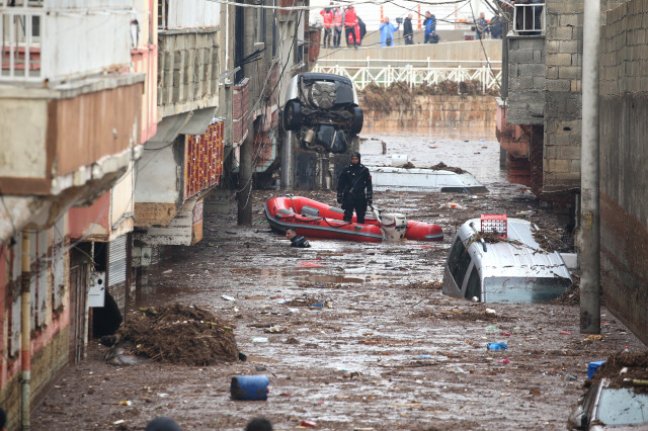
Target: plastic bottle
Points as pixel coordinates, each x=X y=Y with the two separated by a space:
x=497 y=346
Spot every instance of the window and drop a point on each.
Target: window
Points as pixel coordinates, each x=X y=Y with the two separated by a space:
x=260 y=25
x=529 y=18
x=473 y=289
x=458 y=261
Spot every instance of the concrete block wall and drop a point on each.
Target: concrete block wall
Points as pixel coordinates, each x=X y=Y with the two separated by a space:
x=187 y=70
x=623 y=101
x=526 y=80
x=562 y=110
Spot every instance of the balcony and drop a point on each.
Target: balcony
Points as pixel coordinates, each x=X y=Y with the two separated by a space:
x=187 y=70
x=58 y=40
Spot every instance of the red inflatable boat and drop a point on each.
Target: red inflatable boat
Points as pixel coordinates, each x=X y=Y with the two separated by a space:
x=315 y=219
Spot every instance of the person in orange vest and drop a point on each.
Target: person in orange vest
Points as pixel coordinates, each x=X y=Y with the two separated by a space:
x=327 y=16
x=350 y=22
x=358 y=34
x=337 y=26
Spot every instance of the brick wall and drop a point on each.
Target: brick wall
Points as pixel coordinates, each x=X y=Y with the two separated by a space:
x=623 y=102
x=562 y=113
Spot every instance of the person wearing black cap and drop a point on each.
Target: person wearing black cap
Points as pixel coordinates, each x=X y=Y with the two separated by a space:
x=354 y=189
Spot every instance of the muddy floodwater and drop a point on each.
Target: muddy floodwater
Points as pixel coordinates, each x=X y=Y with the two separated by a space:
x=352 y=336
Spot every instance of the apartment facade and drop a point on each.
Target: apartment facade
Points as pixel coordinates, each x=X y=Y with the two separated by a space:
x=71 y=116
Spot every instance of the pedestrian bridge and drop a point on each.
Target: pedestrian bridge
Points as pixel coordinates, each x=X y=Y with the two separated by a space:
x=413 y=72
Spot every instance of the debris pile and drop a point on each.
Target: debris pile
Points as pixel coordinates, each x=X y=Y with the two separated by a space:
x=400 y=92
x=443 y=167
x=179 y=334
x=625 y=369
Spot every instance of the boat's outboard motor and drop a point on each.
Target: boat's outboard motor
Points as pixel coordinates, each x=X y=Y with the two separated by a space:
x=393 y=225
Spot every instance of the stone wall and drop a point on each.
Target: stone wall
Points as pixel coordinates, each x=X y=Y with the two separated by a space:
x=623 y=128
x=471 y=51
x=564 y=47
x=443 y=116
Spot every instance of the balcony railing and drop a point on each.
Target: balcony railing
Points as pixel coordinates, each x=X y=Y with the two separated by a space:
x=529 y=19
x=20 y=31
x=58 y=40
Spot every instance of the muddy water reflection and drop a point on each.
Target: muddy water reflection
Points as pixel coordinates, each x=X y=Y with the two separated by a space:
x=387 y=352
x=479 y=157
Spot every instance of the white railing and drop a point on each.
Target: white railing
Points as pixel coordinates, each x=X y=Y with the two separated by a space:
x=428 y=62
x=384 y=76
x=42 y=43
x=20 y=48
x=529 y=18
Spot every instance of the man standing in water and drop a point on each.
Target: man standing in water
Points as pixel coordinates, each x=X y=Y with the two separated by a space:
x=354 y=189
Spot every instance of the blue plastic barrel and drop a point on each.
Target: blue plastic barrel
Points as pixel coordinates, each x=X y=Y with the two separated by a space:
x=592 y=367
x=249 y=388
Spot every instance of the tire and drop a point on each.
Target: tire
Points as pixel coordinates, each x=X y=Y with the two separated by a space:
x=292 y=115
x=357 y=120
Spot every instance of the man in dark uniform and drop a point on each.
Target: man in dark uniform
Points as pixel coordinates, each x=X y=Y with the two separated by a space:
x=354 y=189
x=296 y=240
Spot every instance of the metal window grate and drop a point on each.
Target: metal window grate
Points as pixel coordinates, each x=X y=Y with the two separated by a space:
x=529 y=19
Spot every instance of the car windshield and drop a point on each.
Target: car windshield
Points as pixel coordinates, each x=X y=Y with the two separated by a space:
x=622 y=406
x=523 y=289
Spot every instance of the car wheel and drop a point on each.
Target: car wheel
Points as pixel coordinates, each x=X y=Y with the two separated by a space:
x=356 y=121
x=292 y=115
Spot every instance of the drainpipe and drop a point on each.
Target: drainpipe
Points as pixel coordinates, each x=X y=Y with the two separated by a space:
x=25 y=339
x=227 y=46
x=590 y=287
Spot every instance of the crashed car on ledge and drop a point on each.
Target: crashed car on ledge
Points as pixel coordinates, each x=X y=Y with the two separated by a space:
x=322 y=110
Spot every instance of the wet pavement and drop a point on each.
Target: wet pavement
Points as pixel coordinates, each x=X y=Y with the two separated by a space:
x=352 y=336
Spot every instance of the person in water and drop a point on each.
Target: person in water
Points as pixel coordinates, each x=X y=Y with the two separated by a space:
x=296 y=240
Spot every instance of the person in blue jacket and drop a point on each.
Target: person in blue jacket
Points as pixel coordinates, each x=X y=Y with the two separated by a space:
x=430 y=27
x=387 y=30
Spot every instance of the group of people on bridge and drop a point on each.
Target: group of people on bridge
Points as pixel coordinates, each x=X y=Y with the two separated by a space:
x=337 y=20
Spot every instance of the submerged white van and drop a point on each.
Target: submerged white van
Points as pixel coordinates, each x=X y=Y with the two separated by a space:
x=511 y=267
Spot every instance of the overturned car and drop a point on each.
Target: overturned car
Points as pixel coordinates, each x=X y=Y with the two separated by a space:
x=322 y=110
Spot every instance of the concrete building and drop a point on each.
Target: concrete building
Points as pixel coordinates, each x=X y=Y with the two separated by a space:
x=166 y=203
x=539 y=129
x=109 y=146
x=72 y=122
x=540 y=108
x=623 y=84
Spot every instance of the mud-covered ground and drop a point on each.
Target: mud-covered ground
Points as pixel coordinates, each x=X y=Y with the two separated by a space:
x=387 y=351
